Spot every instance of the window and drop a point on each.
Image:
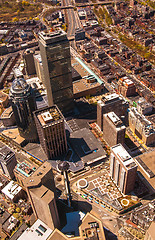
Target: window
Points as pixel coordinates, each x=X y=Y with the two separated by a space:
x=42 y=228
x=39 y=233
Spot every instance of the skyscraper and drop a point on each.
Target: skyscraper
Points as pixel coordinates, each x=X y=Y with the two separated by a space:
x=123 y=168
x=23 y=104
x=113 y=129
x=29 y=62
x=41 y=191
x=51 y=131
x=56 y=61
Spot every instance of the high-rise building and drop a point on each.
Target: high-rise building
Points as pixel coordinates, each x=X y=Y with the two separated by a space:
x=111 y=103
x=7 y=161
x=23 y=104
x=41 y=191
x=39 y=68
x=56 y=61
x=51 y=131
x=29 y=62
x=113 y=129
x=123 y=168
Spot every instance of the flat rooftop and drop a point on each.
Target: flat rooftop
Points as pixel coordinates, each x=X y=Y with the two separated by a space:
x=114 y=119
x=146 y=161
x=25 y=169
x=83 y=85
x=86 y=146
x=123 y=156
x=14 y=135
x=39 y=230
x=48 y=115
x=5 y=154
x=11 y=190
x=52 y=37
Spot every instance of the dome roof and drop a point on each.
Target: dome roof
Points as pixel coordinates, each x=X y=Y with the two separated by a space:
x=19 y=86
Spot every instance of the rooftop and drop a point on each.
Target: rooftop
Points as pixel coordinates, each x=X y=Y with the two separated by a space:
x=7 y=113
x=47 y=116
x=39 y=230
x=37 y=175
x=83 y=85
x=114 y=119
x=14 y=135
x=5 y=154
x=86 y=146
x=25 y=169
x=123 y=156
x=52 y=37
x=11 y=190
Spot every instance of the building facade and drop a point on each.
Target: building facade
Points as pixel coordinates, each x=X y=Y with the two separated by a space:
x=113 y=129
x=142 y=127
x=51 y=131
x=56 y=61
x=23 y=103
x=41 y=191
x=7 y=161
x=123 y=169
x=126 y=87
x=39 y=68
x=111 y=103
x=29 y=62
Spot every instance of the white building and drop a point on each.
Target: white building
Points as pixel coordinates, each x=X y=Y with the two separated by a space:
x=39 y=230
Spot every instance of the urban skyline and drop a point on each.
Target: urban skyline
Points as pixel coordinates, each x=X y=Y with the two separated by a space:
x=77 y=120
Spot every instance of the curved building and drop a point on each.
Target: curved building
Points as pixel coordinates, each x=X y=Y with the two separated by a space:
x=23 y=103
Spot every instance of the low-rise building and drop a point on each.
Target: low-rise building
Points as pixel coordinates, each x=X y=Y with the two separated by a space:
x=38 y=230
x=13 y=191
x=144 y=107
x=126 y=87
x=7 y=117
x=3 y=99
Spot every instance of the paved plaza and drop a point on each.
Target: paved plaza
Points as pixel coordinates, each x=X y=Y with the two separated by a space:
x=102 y=183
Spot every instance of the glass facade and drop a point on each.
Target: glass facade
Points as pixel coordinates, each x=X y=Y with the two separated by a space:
x=58 y=64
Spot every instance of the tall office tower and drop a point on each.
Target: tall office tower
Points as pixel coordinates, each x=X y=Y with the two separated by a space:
x=123 y=168
x=39 y=68
x=7 y=161
x=111 y=103
x=41 y=191
x=29 y=62
x=51 y=131
x=56 y=60
x=113 y=129
x=23 y=104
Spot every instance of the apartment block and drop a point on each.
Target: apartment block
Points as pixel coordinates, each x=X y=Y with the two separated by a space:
x=123 y=168
x=111 y=103
x=113 y=129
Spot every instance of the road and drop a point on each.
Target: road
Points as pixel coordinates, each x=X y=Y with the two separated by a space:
x=73 y=20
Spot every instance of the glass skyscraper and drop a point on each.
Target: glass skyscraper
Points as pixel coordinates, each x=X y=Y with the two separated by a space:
x=56 y=60
x=23 y=103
